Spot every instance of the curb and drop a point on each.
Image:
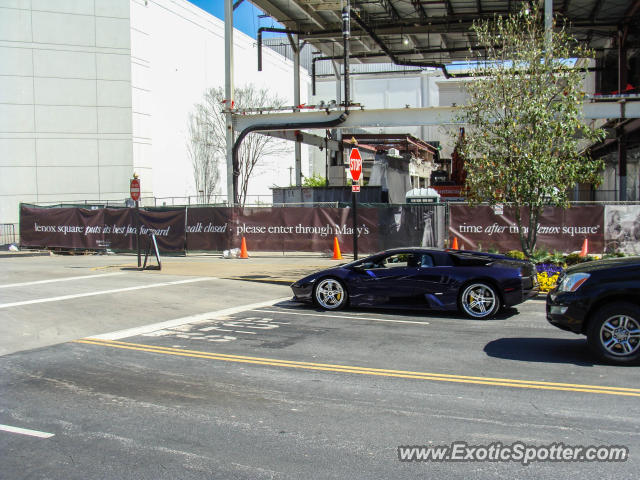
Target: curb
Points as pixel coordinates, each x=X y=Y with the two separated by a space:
x=22 y=255
x=273 y=281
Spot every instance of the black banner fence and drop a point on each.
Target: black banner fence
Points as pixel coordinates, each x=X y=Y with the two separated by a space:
x=311 y=229
x=283 y=229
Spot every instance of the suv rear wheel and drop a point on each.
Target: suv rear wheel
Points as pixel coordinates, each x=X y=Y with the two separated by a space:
x=614 y=333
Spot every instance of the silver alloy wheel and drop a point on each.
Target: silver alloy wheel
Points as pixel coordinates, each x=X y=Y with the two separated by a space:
x=330 y=294
x=620 y=335
x=478 y=300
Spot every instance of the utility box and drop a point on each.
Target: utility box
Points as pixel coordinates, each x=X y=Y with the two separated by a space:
x=337 y=176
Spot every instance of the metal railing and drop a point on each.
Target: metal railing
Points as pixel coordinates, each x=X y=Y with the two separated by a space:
x=600 y=196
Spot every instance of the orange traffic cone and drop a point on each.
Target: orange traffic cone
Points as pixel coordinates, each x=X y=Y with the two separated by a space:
x=454 y=245
x=336 y=249
x=585 y=248
x=243 y=249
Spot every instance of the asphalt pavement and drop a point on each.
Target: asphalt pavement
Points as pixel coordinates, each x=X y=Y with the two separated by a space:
x=192 y=373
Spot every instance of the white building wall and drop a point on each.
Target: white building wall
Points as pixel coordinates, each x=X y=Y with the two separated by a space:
x=92 y=91
x=65 y=102
x=177 y=53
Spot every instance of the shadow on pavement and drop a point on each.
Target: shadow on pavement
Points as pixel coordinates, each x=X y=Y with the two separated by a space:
x=412 y=312
x=547 y=350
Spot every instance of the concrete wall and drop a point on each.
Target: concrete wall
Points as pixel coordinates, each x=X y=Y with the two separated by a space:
x=65 y=101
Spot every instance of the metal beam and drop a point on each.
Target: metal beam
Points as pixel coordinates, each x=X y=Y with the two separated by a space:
x=459 y=24
x=449 y=7
x=399 y=117
x=406 y=117
x=273 y=11
x=390 y=9
x=417 y=4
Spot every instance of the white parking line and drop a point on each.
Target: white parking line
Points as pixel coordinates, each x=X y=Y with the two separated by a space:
x=102 y=292
x=61 y=279
x=201 y=317
x=25 y=431
x=366 y=319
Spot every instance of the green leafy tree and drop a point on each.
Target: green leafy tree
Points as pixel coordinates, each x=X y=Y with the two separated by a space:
x=316 y=180
x=525 y=140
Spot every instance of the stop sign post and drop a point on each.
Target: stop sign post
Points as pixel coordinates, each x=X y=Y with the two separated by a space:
x=355 y=167
x=134 y=190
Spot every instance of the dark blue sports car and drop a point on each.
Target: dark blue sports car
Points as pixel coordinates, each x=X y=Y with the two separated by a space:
x=478 y=284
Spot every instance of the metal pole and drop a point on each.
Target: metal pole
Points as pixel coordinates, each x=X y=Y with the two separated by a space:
x=346 y=33
x=354 y=200
x=296 y=102
x=228 y=93
x=548 y=25
x=622 y=138
x=339 y=155
x=622 y=164
x=138 y=231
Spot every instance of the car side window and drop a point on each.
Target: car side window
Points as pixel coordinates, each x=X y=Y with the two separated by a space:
x=398 y=260
x=426 y=261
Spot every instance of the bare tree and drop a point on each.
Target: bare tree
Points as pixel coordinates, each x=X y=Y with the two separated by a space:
x=202 y=151
x=255 y=147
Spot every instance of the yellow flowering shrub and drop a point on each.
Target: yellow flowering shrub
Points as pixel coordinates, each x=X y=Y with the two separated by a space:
x=547 y=282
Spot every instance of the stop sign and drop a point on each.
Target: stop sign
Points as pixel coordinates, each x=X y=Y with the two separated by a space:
x=134 y=188
x=355 y=164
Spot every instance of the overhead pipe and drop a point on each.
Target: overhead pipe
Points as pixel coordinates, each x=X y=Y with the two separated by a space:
x=364 y=55
x=397 y=61
x=283 y=126
x=281 y=30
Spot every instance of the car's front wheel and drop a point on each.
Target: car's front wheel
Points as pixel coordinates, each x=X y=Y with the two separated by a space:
x=479 y=300
x=330 y=294
x=614 y=333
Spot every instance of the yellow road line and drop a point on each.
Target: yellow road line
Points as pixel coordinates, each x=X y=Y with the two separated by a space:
x=368 y=371
x=510 y=380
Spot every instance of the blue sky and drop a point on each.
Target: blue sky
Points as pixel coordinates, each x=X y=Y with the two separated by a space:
x=245 y=17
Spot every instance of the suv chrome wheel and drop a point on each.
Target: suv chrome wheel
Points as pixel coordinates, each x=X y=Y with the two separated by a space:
x=614 y=333
x=620 y=335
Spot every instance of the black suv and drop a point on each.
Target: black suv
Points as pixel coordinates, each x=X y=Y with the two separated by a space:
x=601 y=299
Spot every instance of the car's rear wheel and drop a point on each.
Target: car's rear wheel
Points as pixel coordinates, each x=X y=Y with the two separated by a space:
x=614 y=333
x=330 y=294
x=479 y=300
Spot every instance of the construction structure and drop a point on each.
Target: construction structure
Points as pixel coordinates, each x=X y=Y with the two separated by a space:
x=434 y=35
